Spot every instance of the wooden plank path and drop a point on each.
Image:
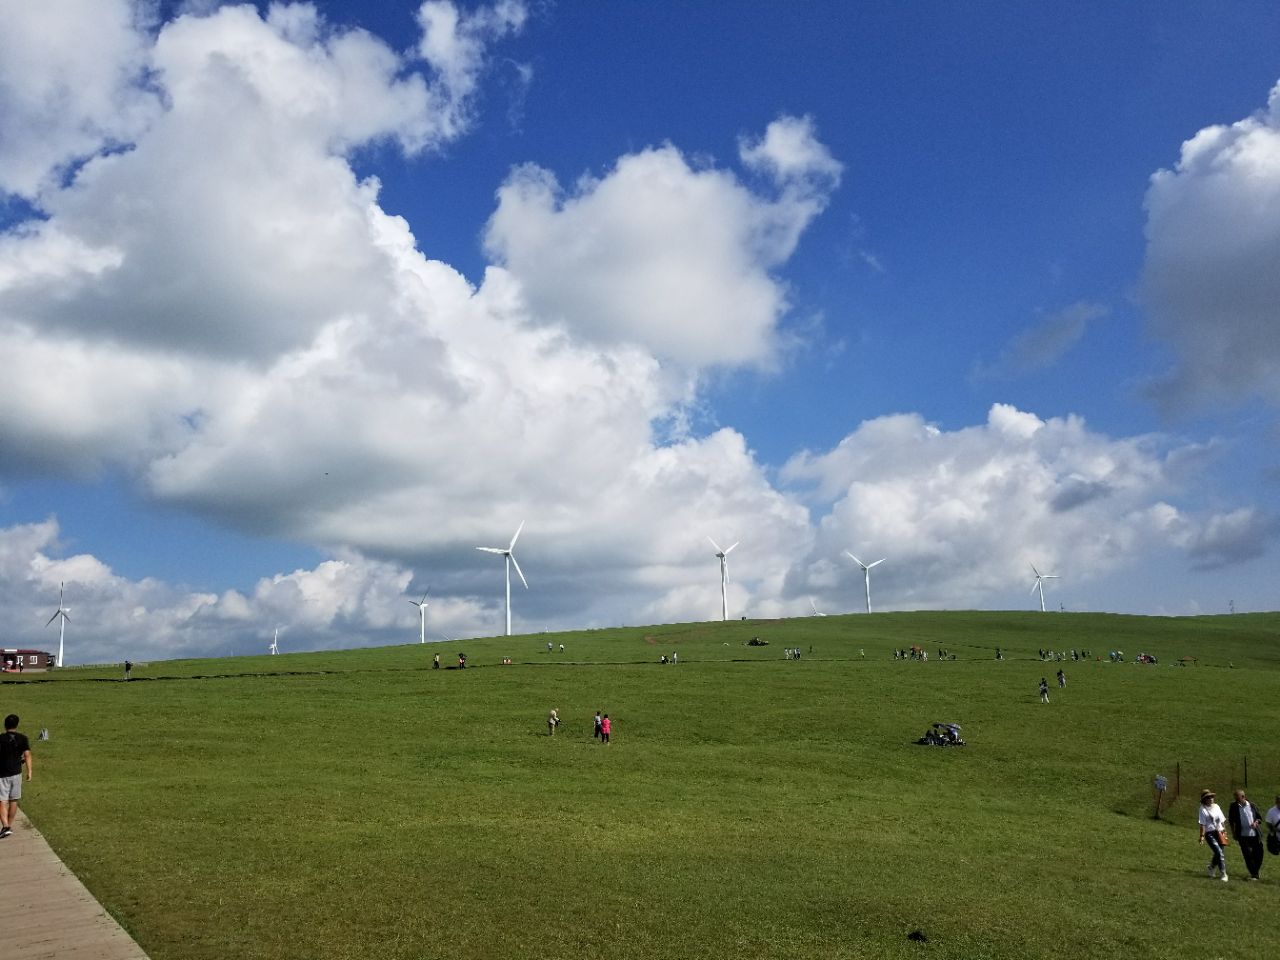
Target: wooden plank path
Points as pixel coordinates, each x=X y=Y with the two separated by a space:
x=49 y=915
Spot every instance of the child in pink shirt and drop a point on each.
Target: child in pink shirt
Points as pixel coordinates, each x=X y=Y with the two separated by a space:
x=605 y=727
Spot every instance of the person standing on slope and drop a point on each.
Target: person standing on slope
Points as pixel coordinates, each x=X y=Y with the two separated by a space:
x=1211 y=823
x=1246 y=827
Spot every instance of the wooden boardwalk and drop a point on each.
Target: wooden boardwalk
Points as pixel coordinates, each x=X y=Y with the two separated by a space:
x=49 y=915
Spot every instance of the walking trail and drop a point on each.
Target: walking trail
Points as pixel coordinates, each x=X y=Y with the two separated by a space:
x=49 y=915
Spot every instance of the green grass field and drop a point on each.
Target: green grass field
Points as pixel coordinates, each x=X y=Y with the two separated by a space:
x=360 y=804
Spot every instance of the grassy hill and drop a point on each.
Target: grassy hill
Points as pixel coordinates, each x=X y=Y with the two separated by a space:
x=360 y=804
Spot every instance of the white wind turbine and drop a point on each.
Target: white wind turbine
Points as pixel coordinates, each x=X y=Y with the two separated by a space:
x=866 y=573
x=275 y=643
x=1039 y=584
x=816 y=611
x=724 y=575
x=508 y=552
x=60 y=615
x=422 y=615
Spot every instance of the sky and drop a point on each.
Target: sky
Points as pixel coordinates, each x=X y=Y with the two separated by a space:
x=301 y=303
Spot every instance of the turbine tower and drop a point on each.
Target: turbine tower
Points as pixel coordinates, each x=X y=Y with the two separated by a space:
x=1039 y=584
x=422 y=615
x=275 y=643
x=60 y=615
x=508 y=553
x=724 y=576
x=866 y=573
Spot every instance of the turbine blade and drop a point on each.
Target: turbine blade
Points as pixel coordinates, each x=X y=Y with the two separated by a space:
x=735 y=543
x=491 y=549
x=1051 y=576
x=53 y=618
x=857 y=561
x=877 y=563
x=716 y=545
x=1034 y=585
x=1034 y=570
x=517 y=536
x=414 y=602
x=515 y=563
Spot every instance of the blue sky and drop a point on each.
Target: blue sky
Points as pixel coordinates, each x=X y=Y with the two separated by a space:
x=298 y=305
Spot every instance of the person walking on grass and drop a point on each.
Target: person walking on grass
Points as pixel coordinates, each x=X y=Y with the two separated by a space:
x=606 y=727
x=599 y=727
x=1062 y=680
x=1044 y=690
x=553 y=721
x=15 y=752
x=1246 y=827
x=1211 y=823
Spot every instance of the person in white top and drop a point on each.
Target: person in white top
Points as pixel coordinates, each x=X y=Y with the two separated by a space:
x=1211 y=823
x=1272 y=820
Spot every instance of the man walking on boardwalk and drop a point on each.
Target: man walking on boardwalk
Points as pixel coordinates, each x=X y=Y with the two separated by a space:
x=15 y=751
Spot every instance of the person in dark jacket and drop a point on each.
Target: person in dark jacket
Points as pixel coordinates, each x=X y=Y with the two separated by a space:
x=1246 y=827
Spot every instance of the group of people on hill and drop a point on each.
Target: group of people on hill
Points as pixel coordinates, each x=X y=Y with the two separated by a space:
x=1248 y=825
x=1058 y=655
x=603 y=725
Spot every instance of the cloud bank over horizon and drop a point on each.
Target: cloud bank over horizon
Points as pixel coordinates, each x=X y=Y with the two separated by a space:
x=243 y=332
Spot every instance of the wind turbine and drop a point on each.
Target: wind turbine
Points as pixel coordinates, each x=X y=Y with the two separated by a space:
x=511 y=558
x=422 y=614
x=275 y=643
x=1039 y=584
x=816 y=611
x=62 y=615
x=866 y=573
x=724 y=575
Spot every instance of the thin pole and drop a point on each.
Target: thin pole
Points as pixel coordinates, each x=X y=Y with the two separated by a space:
x=508 y=594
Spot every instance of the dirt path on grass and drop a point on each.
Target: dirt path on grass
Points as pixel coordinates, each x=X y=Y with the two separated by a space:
x=49 y=915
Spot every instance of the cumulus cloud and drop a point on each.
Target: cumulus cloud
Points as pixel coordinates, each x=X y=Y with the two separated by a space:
x=64 y=101
x=1210 y=280
x=236 y=322
x=347 y=601
x=662 y=255
x=962 y=514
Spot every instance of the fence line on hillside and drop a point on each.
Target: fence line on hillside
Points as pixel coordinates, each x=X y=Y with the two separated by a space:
x=1223 y=776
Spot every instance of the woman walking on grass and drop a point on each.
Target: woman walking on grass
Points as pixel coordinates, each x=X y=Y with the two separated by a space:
x=1211 y=823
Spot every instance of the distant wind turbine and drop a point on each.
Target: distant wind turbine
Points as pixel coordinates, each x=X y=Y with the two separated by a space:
x=1039 y=584
x=724 y=575
x=422 y=615
x=63 y=617
x=866 y=573
x=816 y=611
x=275 y=643
x=509 y=554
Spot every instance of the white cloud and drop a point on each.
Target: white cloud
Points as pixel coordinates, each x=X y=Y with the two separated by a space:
x=662 y=255
x=1213 y=242
x=454 y=45
x=72 y=81
x=962 y=514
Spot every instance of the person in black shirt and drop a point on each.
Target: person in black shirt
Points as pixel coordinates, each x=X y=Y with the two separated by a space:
x=15 y=751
